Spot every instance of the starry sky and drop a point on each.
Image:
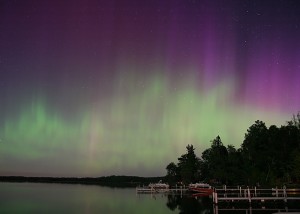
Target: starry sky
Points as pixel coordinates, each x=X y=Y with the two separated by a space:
x=95 y=88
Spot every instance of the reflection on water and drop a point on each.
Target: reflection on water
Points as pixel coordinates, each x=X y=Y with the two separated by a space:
x=266 y=207
x=188 y=204
x=67 y=198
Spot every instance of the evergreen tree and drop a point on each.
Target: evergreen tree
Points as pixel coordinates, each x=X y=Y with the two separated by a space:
x=172 y=173
x=189 y=166
x=214 y=162
x=255 y=149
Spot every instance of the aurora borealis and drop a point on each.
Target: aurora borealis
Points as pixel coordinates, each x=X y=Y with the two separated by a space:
x=93 y=88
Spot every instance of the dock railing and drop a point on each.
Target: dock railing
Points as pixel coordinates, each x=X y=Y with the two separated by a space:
x=240 y=193
x=175 y=189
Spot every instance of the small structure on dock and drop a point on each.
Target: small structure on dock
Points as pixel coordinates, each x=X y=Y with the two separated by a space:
x=154 y=188
x=161 y=188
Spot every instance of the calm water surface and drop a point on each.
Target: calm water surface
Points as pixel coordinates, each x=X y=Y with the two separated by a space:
x=69 y=198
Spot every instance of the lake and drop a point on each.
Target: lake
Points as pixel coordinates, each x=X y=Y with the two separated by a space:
x=76 y=198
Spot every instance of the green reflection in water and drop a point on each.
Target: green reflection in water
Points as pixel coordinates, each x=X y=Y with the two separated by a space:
x=62 y=198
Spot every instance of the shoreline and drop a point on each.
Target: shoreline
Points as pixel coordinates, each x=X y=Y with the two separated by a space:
x=112 y=181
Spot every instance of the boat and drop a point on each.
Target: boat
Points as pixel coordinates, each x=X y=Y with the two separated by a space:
x=201 y=188
x=159 y=186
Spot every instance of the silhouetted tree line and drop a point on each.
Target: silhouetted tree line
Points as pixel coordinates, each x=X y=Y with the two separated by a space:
x=111 y=181
x=268 y=156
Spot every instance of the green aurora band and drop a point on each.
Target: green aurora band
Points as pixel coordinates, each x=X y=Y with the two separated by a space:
x=139 y=129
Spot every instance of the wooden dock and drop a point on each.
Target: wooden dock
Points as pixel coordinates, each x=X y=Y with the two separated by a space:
x=146 y=189
x=254 y=194
x=250 y=210
x=236 y=194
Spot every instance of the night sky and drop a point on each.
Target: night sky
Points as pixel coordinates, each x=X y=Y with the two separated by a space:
x=94 y=88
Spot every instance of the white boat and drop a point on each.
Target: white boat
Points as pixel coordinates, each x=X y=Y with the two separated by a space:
x=159 y=186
